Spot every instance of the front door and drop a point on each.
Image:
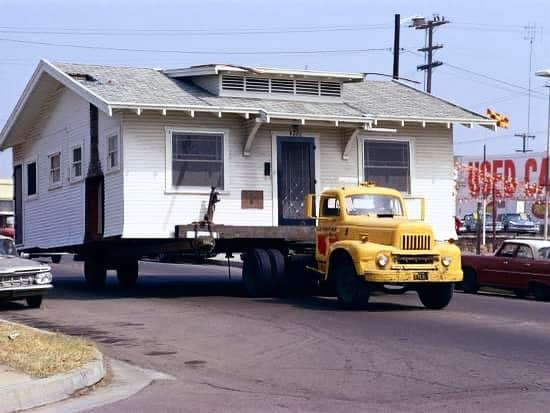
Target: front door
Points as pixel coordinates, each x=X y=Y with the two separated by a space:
x=94 y=208
x=295 y=178
x=18 y=200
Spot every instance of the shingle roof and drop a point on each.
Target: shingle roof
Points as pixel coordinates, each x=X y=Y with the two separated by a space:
x=128 y=85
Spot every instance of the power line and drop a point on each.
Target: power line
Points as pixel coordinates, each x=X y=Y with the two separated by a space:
x=200 y=52
x=188 y=32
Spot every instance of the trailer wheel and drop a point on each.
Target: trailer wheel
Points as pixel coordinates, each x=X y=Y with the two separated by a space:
x=353 y=292
x=127 y=272
x=278 y=268
x=257 y=273
x=436 y=296
x=95 y=273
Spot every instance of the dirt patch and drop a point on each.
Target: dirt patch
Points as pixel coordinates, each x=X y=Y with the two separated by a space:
x=42 y=354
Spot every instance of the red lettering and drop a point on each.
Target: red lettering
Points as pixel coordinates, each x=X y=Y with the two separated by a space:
x=530 y=166
x=510 y=183
x=486 y=177
x=497 y=176
x=543 y=172
x=473 y=179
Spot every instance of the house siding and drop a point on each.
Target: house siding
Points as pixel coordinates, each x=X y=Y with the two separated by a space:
x=150 y=211
x=55 y=217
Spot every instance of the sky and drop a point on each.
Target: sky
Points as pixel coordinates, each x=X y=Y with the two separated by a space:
x=486 y=53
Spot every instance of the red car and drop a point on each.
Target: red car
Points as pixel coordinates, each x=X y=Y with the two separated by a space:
x=7 y=232
x=519 y=265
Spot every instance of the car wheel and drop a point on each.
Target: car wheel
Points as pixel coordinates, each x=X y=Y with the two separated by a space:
x=470 y=284
x=539 y=291
x=435 y=296
x=34 y=301
x=56 y=259
x=520 y=293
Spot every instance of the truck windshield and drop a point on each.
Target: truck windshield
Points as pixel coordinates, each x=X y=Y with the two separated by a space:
x=364 y=204
x=7 y=247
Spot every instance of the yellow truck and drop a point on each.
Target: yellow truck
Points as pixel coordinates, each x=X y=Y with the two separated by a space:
x=365 y=242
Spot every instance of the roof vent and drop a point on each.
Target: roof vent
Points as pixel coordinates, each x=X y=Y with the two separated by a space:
x=280 y=85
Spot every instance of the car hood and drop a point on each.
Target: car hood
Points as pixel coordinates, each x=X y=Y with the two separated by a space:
x=11 y=264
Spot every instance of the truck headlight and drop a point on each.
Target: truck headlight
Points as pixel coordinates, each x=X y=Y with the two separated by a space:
x=382 y=260
x=43 y=278
x=446 y=261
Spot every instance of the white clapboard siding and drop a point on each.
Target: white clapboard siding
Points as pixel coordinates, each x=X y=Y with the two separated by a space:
x=55 y=217
x=152 y=212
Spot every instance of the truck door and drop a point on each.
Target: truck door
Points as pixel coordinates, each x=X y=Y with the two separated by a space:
x=329 y=214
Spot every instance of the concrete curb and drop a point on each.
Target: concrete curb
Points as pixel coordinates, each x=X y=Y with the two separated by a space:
x=38 y=392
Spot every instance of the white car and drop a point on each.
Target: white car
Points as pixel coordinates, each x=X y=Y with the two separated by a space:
x=21 y=278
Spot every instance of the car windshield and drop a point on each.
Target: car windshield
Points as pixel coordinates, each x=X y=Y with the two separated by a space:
x=364 y=204
x=519 y=217
x=7 y=247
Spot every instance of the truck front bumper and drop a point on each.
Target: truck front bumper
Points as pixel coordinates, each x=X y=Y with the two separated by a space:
x=412 y=276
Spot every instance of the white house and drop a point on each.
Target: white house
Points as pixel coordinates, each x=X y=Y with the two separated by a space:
x=106 y=153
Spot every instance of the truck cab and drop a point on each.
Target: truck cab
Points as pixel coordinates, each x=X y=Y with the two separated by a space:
x=364 y=241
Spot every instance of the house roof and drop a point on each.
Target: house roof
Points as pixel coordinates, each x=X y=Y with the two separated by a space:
x=110 y=88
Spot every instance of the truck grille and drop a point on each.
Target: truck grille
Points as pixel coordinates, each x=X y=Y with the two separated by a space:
x=16 y=280
x=416 y=242
x=415 y=259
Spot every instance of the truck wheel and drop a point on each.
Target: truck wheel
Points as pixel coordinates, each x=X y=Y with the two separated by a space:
x=277 y=261
x=34 y=301
x=95 y=273
x=435 y=296
x=127 y=272
x=257 y=273
x=470 y=284
x=353 y=293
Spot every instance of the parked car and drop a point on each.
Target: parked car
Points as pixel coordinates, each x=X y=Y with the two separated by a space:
x=471 y=223
x=21 y=278
x=519 y=265
x=459 y=226
x=518 y=222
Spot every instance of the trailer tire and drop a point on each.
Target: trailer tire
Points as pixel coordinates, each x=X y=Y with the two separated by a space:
x=278 y=268
x=436 y=296
x=95 y=273
x=257 y=273
x=353 y=292
x=127 y=272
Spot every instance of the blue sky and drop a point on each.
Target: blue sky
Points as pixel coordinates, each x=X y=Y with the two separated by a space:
x=484 y=43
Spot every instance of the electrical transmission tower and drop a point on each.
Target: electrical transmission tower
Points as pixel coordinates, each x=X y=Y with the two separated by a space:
x=530 y=36
x=428 y=49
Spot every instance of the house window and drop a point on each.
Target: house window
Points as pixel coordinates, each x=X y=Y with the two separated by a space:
x=112 y=152
x=55 y=169
x=76 y=162
x=197 y=160
x=31 y=179
x=387 y=163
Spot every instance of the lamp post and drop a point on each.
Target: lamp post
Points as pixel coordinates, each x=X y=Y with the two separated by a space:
x=546 y=73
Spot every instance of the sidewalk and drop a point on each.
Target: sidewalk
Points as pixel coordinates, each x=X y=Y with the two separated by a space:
x=20 y=391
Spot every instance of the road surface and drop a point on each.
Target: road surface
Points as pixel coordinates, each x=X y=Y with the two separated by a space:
x=230 y=353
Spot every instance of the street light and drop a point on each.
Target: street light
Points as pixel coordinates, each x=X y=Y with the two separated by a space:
x=546 y=73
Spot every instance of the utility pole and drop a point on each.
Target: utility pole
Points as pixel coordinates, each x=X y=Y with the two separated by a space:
x=524 y=137
x=396 y=35
x=428 y=49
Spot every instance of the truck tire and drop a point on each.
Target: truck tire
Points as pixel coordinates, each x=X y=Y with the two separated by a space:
x=278 y=269
x=34 y=301
x=127 y=272
x=353 y=292
x=436 y=296
x=257 y=273
x=95 y=273
x=470 y=284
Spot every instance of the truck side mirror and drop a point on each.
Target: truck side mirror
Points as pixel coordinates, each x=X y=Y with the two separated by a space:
x=309 y=207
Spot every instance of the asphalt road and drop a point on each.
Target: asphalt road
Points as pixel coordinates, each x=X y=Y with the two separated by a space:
x=230 y=353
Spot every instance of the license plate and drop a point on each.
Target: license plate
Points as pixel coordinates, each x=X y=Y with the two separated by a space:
x=420 y=276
